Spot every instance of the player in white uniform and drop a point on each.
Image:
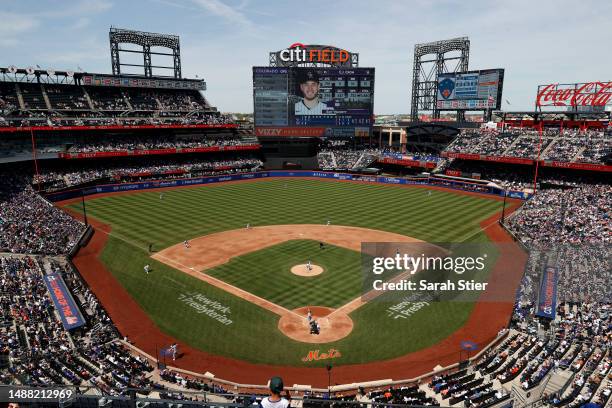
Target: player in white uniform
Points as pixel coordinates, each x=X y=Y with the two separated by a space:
x=309 y=266
x=174 y=350
x=310 y=104
x=147 y=268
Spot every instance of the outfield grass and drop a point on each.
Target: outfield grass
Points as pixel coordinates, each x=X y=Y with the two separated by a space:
x=142 y=218
x=187 y=213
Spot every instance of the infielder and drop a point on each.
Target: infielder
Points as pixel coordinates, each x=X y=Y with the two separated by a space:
x=187 y=244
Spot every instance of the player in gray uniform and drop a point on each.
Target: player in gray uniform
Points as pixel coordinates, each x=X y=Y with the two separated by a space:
x=310 y=104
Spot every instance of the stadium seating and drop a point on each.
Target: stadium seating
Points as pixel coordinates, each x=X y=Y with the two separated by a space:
x=76 y=105
x=31 y=225
x=569 y=214
x=342 y=155
x=35 y=349
x=567 y=145
x=154 y=168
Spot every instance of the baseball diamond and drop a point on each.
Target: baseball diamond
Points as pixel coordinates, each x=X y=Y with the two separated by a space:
x=247 y=270
x=398 y=224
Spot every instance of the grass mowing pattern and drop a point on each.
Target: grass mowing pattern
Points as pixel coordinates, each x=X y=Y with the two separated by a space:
x=338 y=284
x=139 y=219
x=192 y=212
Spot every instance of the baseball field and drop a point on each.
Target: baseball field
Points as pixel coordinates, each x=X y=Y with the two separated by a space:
x=231 y=291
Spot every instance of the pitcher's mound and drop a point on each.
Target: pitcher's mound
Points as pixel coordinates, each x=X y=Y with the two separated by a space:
x=335 y=325
x=302 y=270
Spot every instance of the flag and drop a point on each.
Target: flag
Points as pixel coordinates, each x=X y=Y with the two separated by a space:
x=37 y=66
x=508 y=102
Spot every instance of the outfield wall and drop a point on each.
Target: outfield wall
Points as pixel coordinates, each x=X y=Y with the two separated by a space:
x=146 y=185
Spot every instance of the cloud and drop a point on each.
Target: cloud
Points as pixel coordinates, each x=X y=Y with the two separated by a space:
x=548 y=44
x=14 y=26
x=81 y=23
x=220 y=9
x=13 y=23
x=76 y=57
x=84 y=7
x=174 y=4
x=8 y=42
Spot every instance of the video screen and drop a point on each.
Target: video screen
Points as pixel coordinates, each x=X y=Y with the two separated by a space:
x=471 y=90
x=330 y=101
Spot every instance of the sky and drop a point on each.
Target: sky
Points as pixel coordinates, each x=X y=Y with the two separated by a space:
x=536 y=41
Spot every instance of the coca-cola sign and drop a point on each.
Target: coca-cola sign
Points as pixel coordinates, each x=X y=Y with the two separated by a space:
x=580 y=94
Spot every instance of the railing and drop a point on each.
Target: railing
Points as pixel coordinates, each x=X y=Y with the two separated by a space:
x=133 y=396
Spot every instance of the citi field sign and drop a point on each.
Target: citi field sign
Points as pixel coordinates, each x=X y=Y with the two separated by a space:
x=299 y=52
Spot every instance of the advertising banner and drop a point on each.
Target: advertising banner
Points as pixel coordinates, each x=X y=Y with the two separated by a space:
x=64 y=303
x=547 y=301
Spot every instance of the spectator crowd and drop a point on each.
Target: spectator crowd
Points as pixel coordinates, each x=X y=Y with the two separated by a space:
x=573 y=213
x=566 y=224
x=132 y=143
x=342 y=154
x=75 y=105
x=30 y=224
x=567 y=145
x=578 y=337
x=153 y=168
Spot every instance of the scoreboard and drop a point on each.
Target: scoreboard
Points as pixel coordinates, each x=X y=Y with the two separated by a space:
x=313 y=101
x=471 y=90
x=270 y=96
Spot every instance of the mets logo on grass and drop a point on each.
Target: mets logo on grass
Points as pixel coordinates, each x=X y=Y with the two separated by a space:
x=315 y=355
